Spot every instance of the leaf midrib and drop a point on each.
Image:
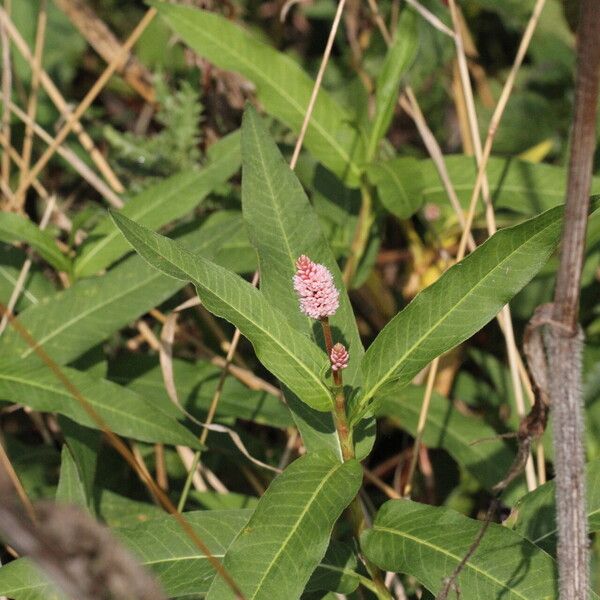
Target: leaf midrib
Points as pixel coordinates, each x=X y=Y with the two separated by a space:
x=439 y=549
x=383 y=379
x=291 y=100
x=300 y=518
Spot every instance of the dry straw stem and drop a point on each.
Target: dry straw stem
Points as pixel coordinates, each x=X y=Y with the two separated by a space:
x=72 y=158
x=6 y=94
x=121 y=447
x=16 y=293
x=410 y=104
x=40 y=35
x=106 y=44
x=482 y=156
x=61 y=104
x=88 y=99
x=16 y=482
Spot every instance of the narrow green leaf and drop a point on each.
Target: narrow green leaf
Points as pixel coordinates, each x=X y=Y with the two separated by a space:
x=70 y=485
x=282 y=226
x=160 y=544
x=196 y=384
x=287 y=536
x=536 y=512
x=162 y=203
x=527 y=188
x=453 y=431
x=399 y=184
x=282 y=87
x=398 y=58
x=78 y=318
x=15 y=228
x=428 y=543
x=460 y=303
x=289 y=355
x=125 y=412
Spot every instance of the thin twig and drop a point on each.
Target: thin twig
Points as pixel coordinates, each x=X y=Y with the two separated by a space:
x=89 y=98
x=6 y=94
x=17 y=483
x=40 y=36
x=317 y=84
x=72 y=159
x=61 y=104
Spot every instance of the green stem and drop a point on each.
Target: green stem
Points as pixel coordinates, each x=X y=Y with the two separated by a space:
x=188 y=482
x=355 y=511
x=361 y=235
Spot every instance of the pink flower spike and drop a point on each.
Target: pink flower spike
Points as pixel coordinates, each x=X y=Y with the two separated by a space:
x=314 y=285
x=339 y=357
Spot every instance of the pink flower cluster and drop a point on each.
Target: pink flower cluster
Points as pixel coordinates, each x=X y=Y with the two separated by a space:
x=314 y=285
x=339 y=357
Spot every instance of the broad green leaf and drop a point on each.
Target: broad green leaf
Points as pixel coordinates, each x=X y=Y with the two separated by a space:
x=521 y=186
x=287 y=536
x=181 y=569
x=196 y=384
x=78 y=318
x=289 y=355
x=282 y=87
x=460 y=302
x=398 y=58
x=84 y=445
x=70 y=485
x=160 y=544
x=399 y=184
x=282 y=226
x=337 y=571
x=162 y=203
x=36 y=287
x=428 y=542
x=453 y=431
x=125 y=412
x=15 y=228
x=536 y=512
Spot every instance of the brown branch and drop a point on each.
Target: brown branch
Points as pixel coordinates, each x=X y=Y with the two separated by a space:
x=564 y=340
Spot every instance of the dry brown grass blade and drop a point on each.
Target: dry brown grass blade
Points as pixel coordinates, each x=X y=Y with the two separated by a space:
x=38 y=51
x=119 y=445
x=61 y=104
x=106 y=44
x=72 y=158
x=89 y=98
x=6 y=94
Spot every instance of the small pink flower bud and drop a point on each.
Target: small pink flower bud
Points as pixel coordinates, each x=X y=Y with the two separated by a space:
x=315 y=288
x=339 y=357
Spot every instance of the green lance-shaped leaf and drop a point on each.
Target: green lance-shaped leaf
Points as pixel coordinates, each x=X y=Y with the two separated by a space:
x=160 y=204
x=161 y=546
x=70 y=488
x=536 y=512
x=399 y=185
x=453 y=431
x=289 y=355
x=282 y=87
x=460 y=302
x=428 y=543
x=126 y=413
x=287 y=536
x=71 y=322
x=398 y=59
x=282 y=226
x=15 y=228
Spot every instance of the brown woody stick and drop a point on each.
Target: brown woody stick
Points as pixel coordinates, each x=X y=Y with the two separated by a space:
x=564 y=340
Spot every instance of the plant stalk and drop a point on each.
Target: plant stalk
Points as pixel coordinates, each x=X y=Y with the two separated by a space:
x=564 y=340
